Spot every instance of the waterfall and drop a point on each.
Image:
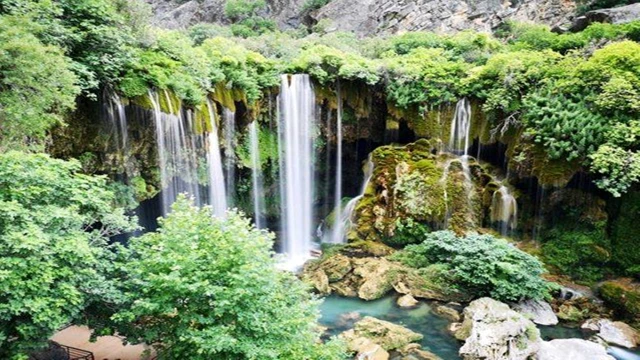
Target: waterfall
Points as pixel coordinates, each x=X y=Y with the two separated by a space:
x=338 y=230
x=459 y=145
x=256 y=174
x=460 y=127
x=176 y=156
x=118 y=118
x=296 y=131
x=504 y=210
x=344 y=223
x=217 y=193
x=229 y=129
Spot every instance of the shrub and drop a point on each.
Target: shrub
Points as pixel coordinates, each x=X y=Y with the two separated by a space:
x=408 y=231
x=482 y=265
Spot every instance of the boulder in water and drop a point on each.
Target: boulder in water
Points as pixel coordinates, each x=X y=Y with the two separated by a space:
x=407 y=301
x=540 y=312
x=572 y=349
x=388 y=335
x=448 y=313
x=495 y=332
x=614 y=332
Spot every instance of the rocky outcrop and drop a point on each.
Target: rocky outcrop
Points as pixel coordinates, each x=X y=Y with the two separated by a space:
x=495 y=332
x=622 y=295
x=366 y=17
x=540 y=312
x=616 y=15
x=179 y=14
x=371 y=278
x=572 y=349
x=388 y=335
x=614 y=332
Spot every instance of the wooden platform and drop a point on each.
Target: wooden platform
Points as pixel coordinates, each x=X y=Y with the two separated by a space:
x=105 y=348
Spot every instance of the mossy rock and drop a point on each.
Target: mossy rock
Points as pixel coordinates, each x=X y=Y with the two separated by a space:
x=623 y=296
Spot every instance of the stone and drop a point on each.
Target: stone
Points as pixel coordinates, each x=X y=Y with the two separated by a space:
x=495 y=332
x=415 y=352
x=336 y=267
x=572 y=349
x=348 y=319
x=571 y=313
x=407 y=301
x=540 y=312
x=318 y=279
x=377 y=277
x=388 y=335
x=448 y=313
x=614 y=332
x=366 y=349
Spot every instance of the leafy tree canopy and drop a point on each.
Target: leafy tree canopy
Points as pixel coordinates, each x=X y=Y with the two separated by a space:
x=203 y=287
x=54 y=227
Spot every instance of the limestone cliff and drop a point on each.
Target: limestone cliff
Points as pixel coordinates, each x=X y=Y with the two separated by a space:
x=367 y=17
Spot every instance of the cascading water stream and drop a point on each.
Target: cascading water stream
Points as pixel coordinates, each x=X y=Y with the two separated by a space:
x=504 y=210
x=176 y=157
x=460 y=128
x=117 y=118
x=338 y=230
x=256 y=174
x=228 y=133
x=296 y=142
x=459 y=145
x=217 y=191
x=344 y=223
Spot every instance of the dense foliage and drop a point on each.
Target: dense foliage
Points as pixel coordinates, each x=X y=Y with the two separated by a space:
x=54 y=227
x=481 y=264
x=203 y=287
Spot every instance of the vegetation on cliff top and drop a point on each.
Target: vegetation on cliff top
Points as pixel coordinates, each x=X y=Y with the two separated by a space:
x=569 y=92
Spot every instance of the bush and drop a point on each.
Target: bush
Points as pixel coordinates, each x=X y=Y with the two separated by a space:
x=481 y=265
x=408 y=231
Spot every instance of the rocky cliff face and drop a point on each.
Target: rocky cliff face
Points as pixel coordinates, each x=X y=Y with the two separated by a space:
x=176 y=14
x=367 y=17
x=392 y=16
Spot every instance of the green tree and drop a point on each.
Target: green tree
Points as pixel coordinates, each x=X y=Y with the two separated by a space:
x=54 y=227
x=37 y=85
x=204 y=287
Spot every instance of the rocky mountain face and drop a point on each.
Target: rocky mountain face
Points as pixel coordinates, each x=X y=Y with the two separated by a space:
x=368 y=17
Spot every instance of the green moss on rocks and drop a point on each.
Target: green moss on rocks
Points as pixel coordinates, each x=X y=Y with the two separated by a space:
x=625 y=235
x=624 y=297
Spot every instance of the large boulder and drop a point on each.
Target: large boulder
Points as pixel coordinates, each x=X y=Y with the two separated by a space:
x=540 y=312
x=377 y=276
x=388 y=335
x=495 y=332
x=614 y=332
x=572 y=349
